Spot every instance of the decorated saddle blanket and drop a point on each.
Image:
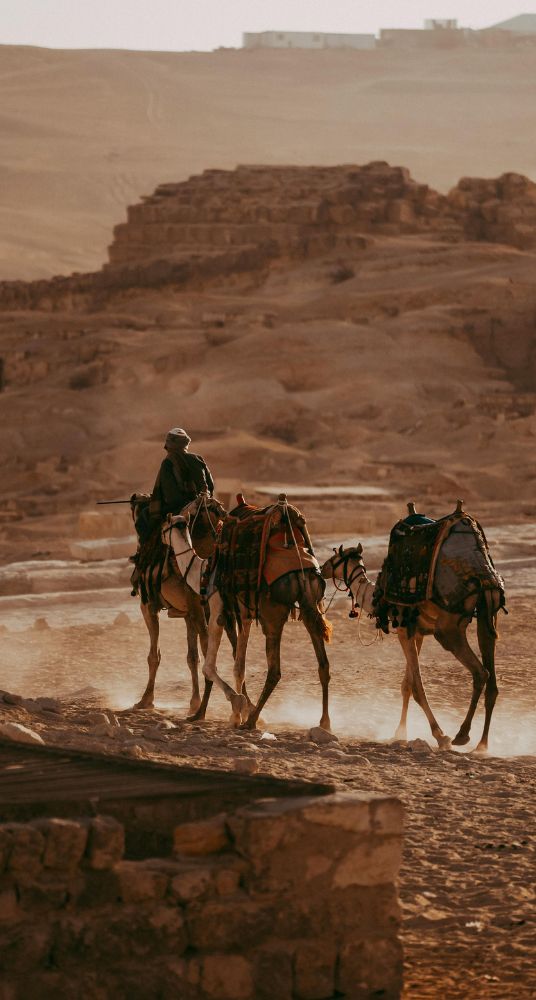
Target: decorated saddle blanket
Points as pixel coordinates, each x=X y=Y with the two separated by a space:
x=256 y=546
x=444 y=561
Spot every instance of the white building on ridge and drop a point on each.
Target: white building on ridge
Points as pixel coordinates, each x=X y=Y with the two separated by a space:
x=306 y=40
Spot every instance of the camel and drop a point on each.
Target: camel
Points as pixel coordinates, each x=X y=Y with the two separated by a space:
x=447 y=628
x=275 y=605
x=304 y=588
x=180 y=594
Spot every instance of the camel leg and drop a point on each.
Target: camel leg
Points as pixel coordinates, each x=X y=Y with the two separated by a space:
x=402 y=728
x=192 y=658
x=153 y=626
x=215 y=633
x=311 y=624
x=240 y=667
x=455 y=641
x=199 y=710
x=273 y=632
x=486 y=642
x=417 y=687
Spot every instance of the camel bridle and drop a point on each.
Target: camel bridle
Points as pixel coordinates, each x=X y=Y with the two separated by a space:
x=358 y=572
x=342 y=558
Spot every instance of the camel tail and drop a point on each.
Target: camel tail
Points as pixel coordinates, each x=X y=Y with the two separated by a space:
x=327 y=629
x=323 y=625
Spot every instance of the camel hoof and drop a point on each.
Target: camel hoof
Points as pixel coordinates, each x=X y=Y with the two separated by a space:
x=460 y=740
x=194 y=707
x=143 y=705
x=197 y=717
x=238 y=704
x=249 y=724
x=325 y=724
x=444 y=742
x=481 y=750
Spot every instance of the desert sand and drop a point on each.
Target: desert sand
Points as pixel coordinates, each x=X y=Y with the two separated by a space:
x=467 y=879
x=84 y=133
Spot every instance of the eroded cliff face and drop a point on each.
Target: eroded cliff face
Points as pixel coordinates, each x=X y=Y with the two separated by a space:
x=299 y=332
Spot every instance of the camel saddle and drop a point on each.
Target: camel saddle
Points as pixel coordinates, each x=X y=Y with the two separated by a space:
x=444 y=561
x=257 y=546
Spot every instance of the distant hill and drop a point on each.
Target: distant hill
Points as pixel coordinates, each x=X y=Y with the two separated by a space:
x=84 y=133
x=523 y=24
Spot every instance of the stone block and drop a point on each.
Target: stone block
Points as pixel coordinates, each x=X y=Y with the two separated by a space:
x=273 y=972
x=362 y=908
x=349 y=811
x=49 y=892
x=192 y=883
x=342 y=215
x=208 y=836
x=386 y=816
x=314 y=971
x=25 y=858
x=9 y=905
x=106 y=842
x=374 y=861
x=400 y=211
x=227 y=977
x=6 y=841
x=65 y=842
x=371 y=967
x=337 y=830
x=137 y=882
x=123 y=934
x=24 y=946
x=225 y=926
x=227 y=881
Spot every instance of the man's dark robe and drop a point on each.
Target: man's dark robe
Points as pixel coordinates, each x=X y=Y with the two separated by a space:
x=181 y=478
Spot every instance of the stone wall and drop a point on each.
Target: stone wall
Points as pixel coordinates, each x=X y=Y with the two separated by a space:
x=290 y=899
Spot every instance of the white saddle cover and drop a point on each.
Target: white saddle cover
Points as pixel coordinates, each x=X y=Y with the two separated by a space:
x=176 y=535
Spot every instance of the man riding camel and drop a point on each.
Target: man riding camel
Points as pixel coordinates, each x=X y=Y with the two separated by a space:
x=181 y=478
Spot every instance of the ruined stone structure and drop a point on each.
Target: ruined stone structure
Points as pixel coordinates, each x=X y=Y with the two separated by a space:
x=235 y=224
x=282 y=211
x=293 y=899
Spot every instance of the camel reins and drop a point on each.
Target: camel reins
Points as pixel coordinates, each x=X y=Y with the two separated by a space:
x=357 y=572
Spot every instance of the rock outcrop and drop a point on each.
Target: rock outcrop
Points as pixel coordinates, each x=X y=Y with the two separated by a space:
x=228 y=224
x=499 y=211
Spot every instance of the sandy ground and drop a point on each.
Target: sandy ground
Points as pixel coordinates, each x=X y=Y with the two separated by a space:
x=84 y=133
x=467 y=883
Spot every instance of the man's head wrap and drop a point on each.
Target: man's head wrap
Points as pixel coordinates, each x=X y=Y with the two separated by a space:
x=176 y=438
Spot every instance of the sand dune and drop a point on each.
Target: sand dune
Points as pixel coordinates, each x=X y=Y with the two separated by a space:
x=84 y=133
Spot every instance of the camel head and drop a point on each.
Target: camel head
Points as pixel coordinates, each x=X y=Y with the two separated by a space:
x=342 y=561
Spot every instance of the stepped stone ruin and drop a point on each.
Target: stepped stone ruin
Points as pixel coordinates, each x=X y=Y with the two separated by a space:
x=224 y=224
x=289 y=898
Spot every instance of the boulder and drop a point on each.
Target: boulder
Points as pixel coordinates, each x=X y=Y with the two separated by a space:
x=20 y=734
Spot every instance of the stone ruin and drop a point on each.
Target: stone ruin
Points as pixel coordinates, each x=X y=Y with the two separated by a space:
x=235 y=224
x=291 y=897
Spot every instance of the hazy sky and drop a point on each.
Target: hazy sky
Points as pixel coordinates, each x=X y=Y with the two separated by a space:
x=206 y=24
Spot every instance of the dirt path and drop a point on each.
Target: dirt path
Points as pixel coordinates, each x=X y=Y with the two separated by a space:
x=467 y=883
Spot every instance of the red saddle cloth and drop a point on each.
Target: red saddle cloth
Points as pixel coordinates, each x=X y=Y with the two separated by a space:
x=256 y=545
